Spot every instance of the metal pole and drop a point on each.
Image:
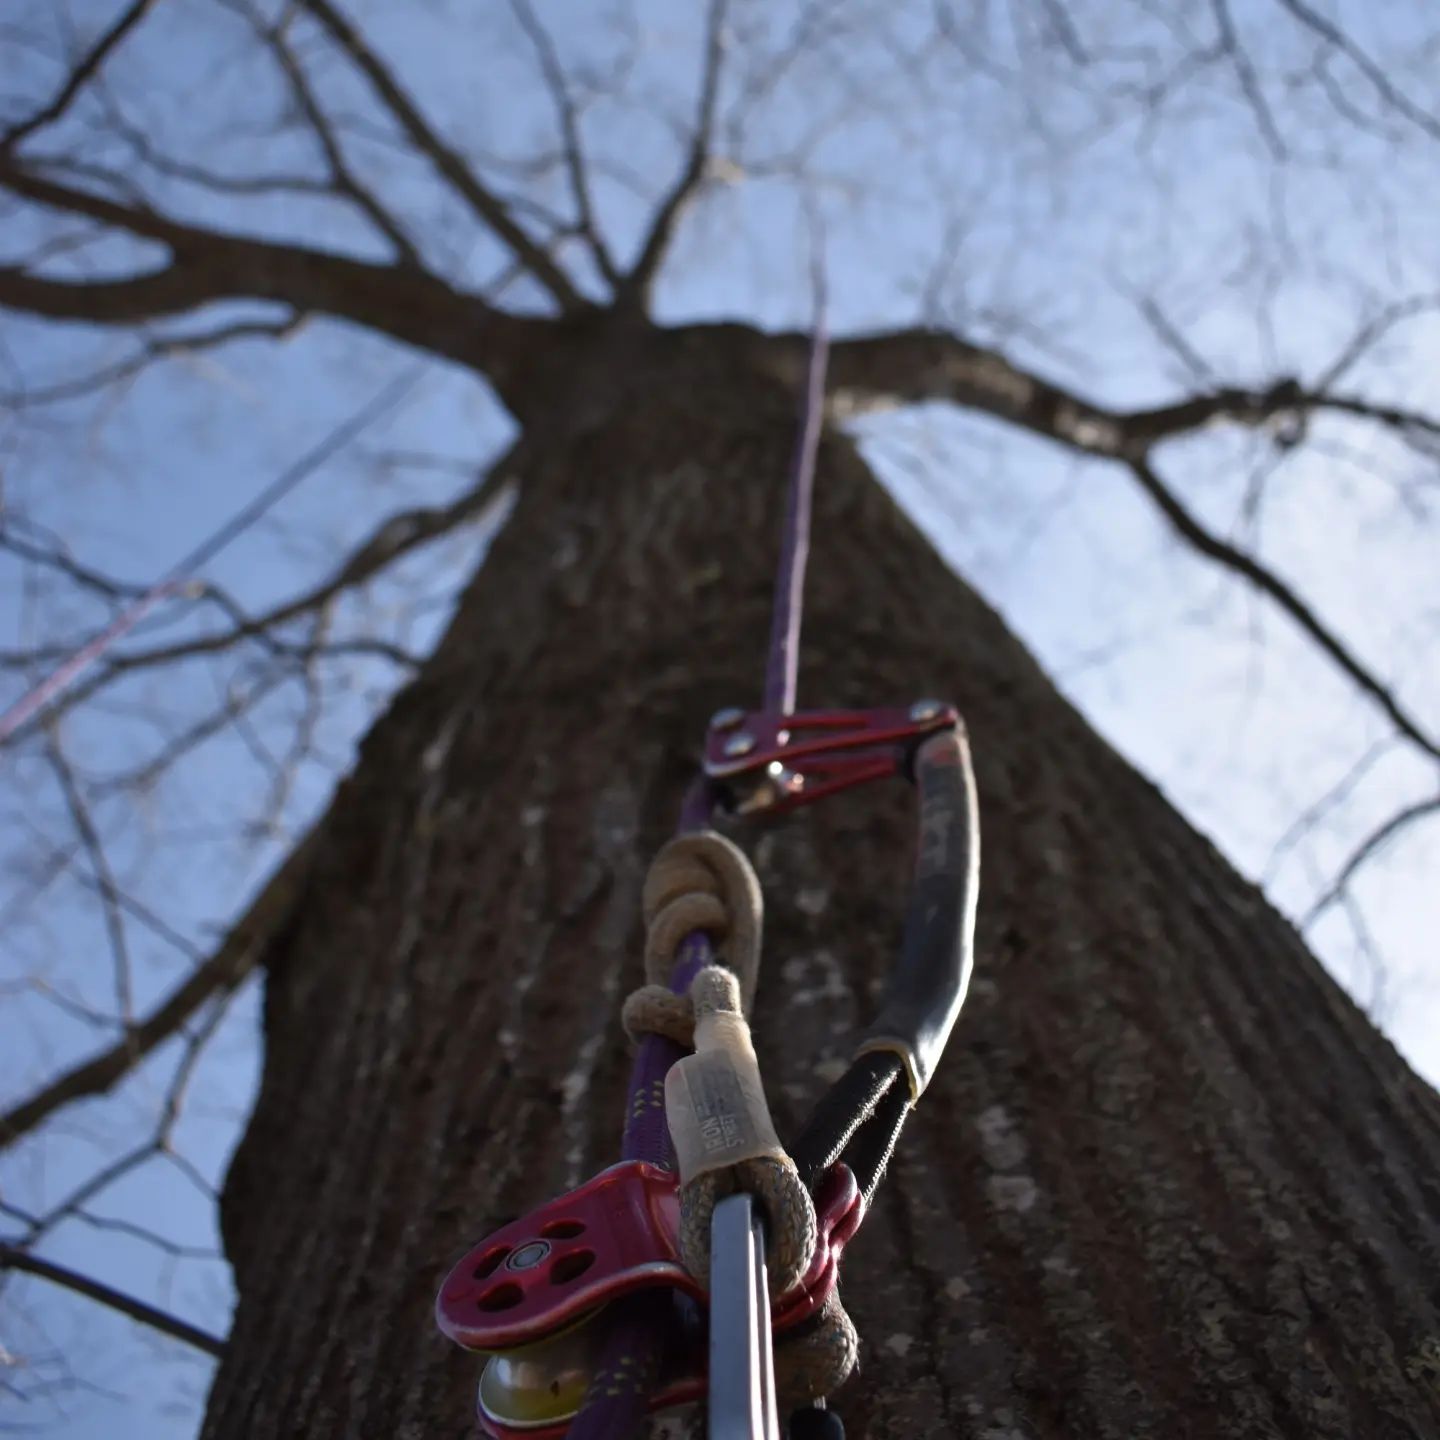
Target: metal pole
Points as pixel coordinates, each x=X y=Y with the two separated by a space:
x=741 y=1383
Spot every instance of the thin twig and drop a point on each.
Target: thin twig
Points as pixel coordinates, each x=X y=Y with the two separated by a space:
x=636 y=286
x=445 y=158
x=153 y=349
x=1265 y=580
x=342 y=178
x=104 y=877
x=1333 y=35
x=1376 y=841
x=13 y=1257
x=1250 y=85
x=77 y=79
x=575 y=163
x=922 y=364
x=1311 y=816
x=230 y=964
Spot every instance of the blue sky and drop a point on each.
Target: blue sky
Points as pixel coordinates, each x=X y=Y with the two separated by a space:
x=972 y=176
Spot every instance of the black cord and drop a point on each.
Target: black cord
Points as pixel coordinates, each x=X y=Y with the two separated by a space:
x=812 y=1423
x=869 y=1152
x=846 y=1109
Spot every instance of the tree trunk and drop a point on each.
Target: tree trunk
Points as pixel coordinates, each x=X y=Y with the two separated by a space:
x=1168 y=1182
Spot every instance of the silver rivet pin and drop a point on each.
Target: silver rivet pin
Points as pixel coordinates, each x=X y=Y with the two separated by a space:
x=923 y=710
x=528 y=1256
x=741 y=744
x=726 y=719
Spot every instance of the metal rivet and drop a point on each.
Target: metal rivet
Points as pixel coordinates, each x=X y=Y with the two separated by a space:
x=923 y=710
x=527 y=1257
x=726 y=719
x=741 y=744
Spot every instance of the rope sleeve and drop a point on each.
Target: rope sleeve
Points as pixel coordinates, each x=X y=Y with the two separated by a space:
x=714 y=1100
x=725 y=1140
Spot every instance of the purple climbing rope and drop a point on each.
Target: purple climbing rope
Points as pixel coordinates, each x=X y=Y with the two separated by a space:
x=635 y=1335
x=629 y=1361
x=784 y=661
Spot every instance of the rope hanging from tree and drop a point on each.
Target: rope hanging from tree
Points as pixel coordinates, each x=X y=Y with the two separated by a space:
x=709 y=1223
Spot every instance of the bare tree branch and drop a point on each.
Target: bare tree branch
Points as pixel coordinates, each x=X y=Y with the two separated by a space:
x=446 y=160
x=342 y=178
x=1164 y=330
x=159 y=1145
x=239 y=699
x=1376 y=841
x=151 y=156
x=153 y=349
x=1369 y=949
x=74 y=1008
x=121 y=183
x=315 y=43
x=146 y=1236
x=104 y=877
x=173 y=1248
x=48 y=696
x=921 y=365
x=393 y=538
x=79 y=77
x=66 y=243
x=407 y=304
x=169 y=291
x=909 y=366
x=1334 y=36
x=575 y=163
x=1265 y=580
x=12 y=1257
x=1062 y=27
x=1249 y=82
x=1370 y=334
x=92 y=1186
x=635 y=288
x=55 y=558
x=195 y=1043
x=1314 y=813
x=224 y=971
x=137 y=910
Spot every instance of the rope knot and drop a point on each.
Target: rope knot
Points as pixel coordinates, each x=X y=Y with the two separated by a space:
x=699 y=882
x=715 y=1103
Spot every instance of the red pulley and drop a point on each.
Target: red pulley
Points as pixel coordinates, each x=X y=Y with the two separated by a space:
x=524 y=1293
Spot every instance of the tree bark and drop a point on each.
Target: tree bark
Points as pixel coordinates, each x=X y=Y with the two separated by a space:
x=1168 y=1181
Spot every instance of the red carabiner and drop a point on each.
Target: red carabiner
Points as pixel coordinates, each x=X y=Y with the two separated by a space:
x=767 y=761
